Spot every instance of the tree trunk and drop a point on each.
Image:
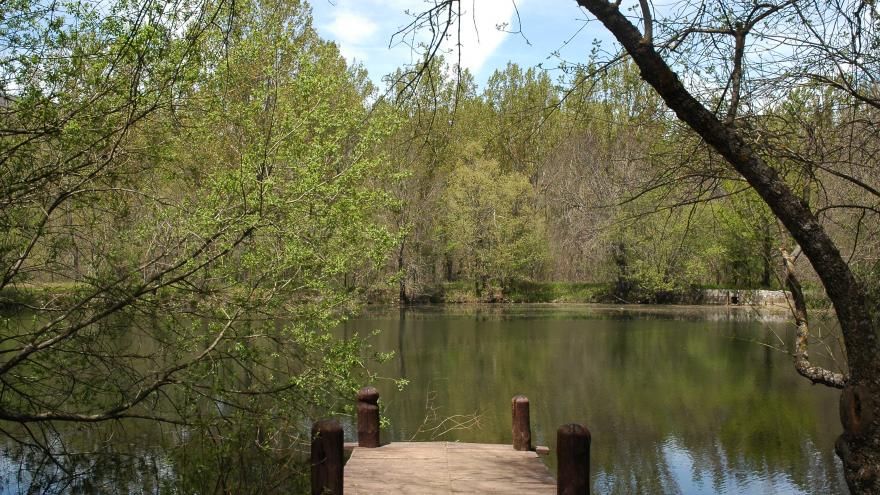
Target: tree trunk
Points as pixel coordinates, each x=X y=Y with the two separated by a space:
x=859 y=445
x=401 y=268
x=767 y=255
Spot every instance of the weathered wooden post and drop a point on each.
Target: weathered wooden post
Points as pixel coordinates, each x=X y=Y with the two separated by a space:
x=573 y=456
x=327 y=460
x=368 y=417
x=522 y=430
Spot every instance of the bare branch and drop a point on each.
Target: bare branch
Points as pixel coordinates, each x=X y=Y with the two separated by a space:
x=815 y=374
x=648 y=37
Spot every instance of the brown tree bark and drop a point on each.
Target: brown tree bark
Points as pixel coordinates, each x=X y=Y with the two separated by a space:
x=402 y=296
x=802 y=364
x=859 y=445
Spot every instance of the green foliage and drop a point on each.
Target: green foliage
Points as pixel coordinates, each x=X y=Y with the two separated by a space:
x=521 y=126
x=556 y=292
x=492 y=224
x=727 y=244
x=206 y=181
x=617 y=190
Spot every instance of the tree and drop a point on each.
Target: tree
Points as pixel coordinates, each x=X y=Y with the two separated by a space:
x=859 y=446
x=522 y=104
x=492 y=224
x=436 y=120
x=204 y=180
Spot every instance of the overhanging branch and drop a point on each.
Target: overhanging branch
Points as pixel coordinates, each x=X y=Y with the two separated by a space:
x=815 y=374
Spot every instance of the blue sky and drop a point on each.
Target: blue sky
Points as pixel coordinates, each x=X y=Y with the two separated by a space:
x=363 y=31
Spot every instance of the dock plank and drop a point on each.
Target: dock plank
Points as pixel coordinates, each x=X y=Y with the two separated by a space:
x=445 y=467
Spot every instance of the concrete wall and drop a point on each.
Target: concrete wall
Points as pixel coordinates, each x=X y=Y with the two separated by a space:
x=744 y=297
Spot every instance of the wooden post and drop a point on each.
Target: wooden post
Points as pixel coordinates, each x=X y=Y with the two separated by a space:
x=368 y=417
x=327 y=439
x=522 y=430
x=573 y=456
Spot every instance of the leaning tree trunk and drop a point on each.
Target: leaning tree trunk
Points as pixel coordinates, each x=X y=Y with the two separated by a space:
x=859 y=445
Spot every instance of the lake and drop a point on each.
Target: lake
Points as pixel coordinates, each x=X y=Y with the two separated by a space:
x=678 y=400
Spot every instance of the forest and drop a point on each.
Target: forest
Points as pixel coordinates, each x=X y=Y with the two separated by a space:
x=588 y=182
x=193 y=193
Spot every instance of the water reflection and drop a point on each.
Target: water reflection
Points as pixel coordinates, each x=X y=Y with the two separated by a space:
x=677 y=401
x=140 y=457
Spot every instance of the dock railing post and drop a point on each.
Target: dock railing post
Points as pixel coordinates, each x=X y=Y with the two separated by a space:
x=573 y=457
x=522 y=430
x=368 y=417
x=327 y=460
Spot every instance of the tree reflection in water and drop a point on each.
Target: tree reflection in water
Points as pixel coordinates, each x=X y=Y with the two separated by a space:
x=678 y=401
x=142 y=457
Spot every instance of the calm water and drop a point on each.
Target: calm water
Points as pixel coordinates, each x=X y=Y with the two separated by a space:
x=678 y=401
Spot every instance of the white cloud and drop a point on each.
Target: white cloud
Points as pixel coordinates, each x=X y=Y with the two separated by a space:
x=480 y=36
x=352 y=53
x=363 y=31
x=352 y=32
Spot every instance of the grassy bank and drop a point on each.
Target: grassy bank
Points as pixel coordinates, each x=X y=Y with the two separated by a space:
x=459 y=292
x=526 y=292
x=464 y=292
x=20 y=296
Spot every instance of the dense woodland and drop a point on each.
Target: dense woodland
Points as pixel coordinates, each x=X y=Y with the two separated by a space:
x=192 y=190
x=579 y=175
x=588 y=179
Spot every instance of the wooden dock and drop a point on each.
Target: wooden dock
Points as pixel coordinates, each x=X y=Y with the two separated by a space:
x=445 y=467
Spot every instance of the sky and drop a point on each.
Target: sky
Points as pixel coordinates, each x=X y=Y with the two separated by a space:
x=549 y=31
